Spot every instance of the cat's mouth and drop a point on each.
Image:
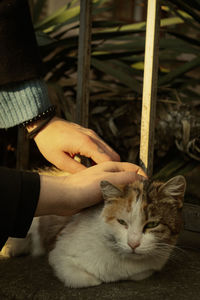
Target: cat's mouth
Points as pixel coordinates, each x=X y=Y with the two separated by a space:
x=133 y=252
x=139 y=253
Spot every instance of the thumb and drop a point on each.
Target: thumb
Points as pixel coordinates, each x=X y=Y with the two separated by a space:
x=124 y=177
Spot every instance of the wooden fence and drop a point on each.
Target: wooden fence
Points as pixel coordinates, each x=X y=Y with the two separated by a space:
x=149 y=85
x=150 y=77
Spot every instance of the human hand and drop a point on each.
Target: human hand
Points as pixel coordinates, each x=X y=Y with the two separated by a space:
x=61 y=140
x=84 y=187
x=69 y=194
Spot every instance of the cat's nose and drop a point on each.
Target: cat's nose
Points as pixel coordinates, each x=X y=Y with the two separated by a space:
x=134 y=245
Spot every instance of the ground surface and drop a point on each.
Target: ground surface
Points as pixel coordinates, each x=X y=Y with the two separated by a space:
x=25 y=278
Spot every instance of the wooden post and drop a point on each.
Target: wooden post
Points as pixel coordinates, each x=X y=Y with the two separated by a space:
x=22 y=159
x=31 y=6
x=22 y=150
x=150 y=87
x=84 y=49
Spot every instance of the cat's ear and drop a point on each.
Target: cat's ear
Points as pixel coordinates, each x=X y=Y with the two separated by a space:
x=175 y=187
x=110 y=191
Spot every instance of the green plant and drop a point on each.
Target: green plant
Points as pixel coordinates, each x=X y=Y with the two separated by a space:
x=117 y=71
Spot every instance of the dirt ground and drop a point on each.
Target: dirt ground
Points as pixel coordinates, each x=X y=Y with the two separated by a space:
x=27 y=278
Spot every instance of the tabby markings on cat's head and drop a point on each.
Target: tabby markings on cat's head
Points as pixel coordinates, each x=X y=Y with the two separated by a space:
x=143 y=219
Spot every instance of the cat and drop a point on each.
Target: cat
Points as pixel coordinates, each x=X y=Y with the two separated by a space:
x=128 y=237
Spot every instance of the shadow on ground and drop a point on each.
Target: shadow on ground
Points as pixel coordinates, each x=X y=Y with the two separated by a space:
x=27 y=278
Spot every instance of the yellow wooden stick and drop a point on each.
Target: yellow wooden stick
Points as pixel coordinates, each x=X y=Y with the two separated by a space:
x=150 y=87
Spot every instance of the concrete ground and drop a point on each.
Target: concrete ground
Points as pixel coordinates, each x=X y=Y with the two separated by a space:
x=26 y=278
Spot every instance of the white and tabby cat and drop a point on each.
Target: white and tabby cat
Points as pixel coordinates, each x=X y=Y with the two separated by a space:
x=128 y=237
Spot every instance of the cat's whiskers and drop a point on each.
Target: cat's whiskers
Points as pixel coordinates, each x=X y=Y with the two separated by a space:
x=183 y=251
x=170 y=247
x=172 y=251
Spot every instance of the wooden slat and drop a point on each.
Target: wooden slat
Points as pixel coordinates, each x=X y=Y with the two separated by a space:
x=150 y=87
x=22 y=150
x=190 y=237
x=82 y=100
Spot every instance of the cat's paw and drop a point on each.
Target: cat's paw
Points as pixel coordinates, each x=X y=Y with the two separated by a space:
x=71 y=272
x=83 y=281
x=16 y=247
x=5 y=251
x=142 y=275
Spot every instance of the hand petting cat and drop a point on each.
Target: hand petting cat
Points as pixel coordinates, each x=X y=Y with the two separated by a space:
x=68 y=194
x=59 y=141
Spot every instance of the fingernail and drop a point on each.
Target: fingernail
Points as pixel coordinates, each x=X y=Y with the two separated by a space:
x=140 y=177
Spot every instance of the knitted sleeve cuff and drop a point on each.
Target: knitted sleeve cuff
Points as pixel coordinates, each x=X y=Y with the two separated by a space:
x=22 y=102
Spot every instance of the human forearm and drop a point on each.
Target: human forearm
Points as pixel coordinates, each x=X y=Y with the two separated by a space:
x=19 y=193
x=55 y=197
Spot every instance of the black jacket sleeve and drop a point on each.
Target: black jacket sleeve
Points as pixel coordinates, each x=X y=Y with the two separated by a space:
x=19 y=194
x=19 y=56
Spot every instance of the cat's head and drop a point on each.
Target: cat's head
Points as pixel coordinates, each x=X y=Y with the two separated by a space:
x=143 y=218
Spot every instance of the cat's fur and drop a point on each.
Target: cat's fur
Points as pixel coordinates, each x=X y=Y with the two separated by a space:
x=128 y=237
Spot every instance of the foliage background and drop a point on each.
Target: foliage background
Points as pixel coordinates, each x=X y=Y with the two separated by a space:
x=117 y=76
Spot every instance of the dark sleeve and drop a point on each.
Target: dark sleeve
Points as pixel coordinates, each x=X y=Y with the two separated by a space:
x=19 y=56
x=19 y=194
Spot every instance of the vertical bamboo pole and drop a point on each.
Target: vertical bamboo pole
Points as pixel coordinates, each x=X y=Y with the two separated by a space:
x=84 y=50
x=150 y=87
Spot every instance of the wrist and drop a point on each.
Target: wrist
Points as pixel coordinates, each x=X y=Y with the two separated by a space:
x=35 y=125
x=51 y=193
x=55 y=197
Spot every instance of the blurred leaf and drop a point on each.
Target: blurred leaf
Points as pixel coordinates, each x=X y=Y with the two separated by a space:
x=43 y=39
x=171 y=21
x=178 y=45
x=175 y=167
x=164 y=70
x=105 y=23
x=138 y=43
x=120 y=71
x=180 y=71
x=48 y=21
x=71 y=3
x=66 y=15
x=138 y=65
x=37 y=9
x=185 y=38
x=141 y=25
x=188 y=7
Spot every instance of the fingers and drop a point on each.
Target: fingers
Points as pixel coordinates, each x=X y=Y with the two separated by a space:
x=66 y=163
x=134 y=168
x=120 y=167
x=127 y=177
x=95 y=148
x=99 y=153
x=115 y=172
x=105 y=148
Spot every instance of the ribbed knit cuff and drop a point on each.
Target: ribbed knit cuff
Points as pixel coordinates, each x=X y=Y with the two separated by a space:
x=22 y=102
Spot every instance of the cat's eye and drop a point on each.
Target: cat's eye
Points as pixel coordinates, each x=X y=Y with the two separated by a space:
x=122 y=222
x=152 y=224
